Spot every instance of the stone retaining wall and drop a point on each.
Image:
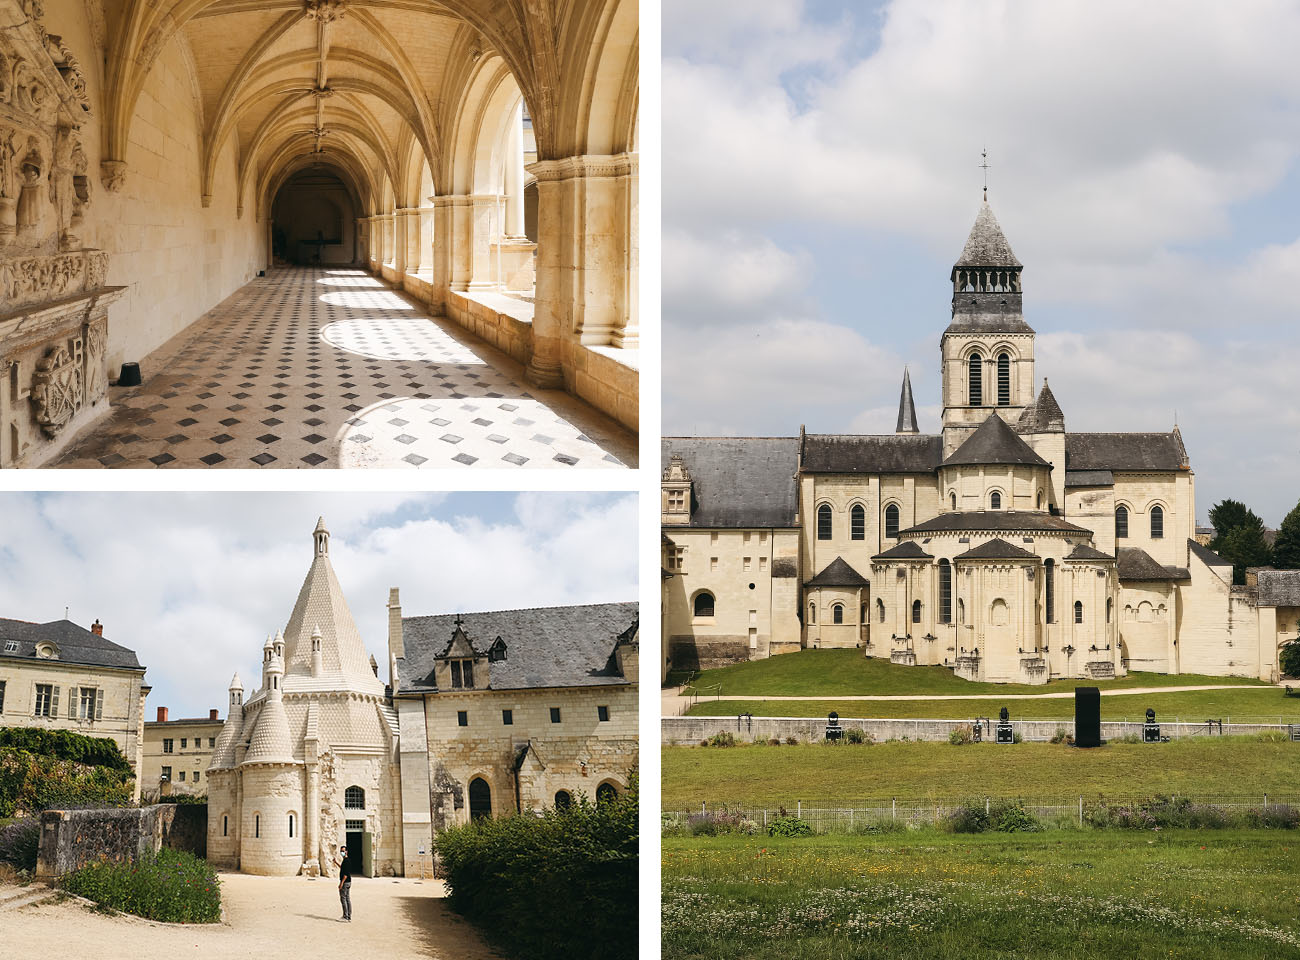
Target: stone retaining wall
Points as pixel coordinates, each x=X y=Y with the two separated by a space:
x=689 y=731
x=70 y=839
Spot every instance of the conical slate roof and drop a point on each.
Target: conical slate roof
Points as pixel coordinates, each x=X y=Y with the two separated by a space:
x=994 y=442
x=996 y=549
x=838 y=574
x=907 y=550
x=1043 y=415
x=906 y=407
x=1083 y=551
x=271 y=742
x=223 y=754
x=987 y=245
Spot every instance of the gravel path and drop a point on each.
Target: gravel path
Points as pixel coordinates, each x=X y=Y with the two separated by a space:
x=1069 y=694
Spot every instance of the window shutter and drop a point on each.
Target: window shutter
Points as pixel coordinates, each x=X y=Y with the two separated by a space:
x=72 y=703
x=54 y=701
x=99 y=704
x=35 y=703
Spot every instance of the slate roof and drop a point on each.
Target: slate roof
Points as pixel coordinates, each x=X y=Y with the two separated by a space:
x=1083 y=551
x=843 y=453
x=906 y=407
x=76 y=644
x=987 y=245
x=994 y=442
x=1043 y=415
x=838 y=574
x=1135 y=564
x=1278 y=588
x=1124 y=451
x=996 y=549
x=739 y=481
x=1089 y=478
x=987 y=313
x=907 y=550
x=1018 y=521
x=1208 y=556
x=547 y=646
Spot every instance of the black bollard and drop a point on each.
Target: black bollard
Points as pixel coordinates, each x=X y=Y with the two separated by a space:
x=1087 y=717
x=130 y=375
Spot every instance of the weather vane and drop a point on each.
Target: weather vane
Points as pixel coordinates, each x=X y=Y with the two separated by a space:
x=985 y=167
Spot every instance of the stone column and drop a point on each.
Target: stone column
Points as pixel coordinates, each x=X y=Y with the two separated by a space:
x=453 y=256
x=514 y=226
x=483 y=237
x=311 y=822
x=414 y=253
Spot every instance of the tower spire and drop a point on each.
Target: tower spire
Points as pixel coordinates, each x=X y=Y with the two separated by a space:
x=984 y=165
x=906 y=407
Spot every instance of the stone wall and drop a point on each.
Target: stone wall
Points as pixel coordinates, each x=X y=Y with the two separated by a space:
x=70 y=839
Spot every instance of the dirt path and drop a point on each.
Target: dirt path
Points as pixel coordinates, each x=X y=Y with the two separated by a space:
x=265 y=916
x=1124 y=691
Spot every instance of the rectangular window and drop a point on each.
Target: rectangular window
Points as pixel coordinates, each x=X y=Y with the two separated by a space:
x=713 y=536
x=676 y=501
x=168 y=744
x=762 y=536
x=462 y=718
x=748 y=563
x=87 y=703
x=212 y=742
x=44 y=701
x=507 y=717
x=676 y=558
x=602 y=714
x=167 y=774
x=467 y=671
x=555 y=714
x=185 y=742
x=2 y=696
x=762 y=564
x=455 y=675
x=713 y=563
x=11 y=646
x=182 y=776
x=355 y=825
x=753 y=638
x=746 y=536
x=196 y=776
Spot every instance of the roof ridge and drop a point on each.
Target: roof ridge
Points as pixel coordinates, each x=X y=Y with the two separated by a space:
x=554 y=606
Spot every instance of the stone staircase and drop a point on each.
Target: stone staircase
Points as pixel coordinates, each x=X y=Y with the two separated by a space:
x=33 y=895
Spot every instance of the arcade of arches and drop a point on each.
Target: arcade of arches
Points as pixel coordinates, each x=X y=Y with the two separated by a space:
x=477 y=157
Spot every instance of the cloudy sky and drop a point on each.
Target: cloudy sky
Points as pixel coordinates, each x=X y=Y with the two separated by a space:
x=194 y=582
x=821 y=172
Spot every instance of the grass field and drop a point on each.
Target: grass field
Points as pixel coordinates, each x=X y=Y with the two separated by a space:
x=1258 y=704
x=828 y=673
x=826 y=776
x=1094 y=895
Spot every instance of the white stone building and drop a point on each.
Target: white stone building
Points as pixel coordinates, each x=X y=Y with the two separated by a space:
x=318 y=757
x=1003 y=547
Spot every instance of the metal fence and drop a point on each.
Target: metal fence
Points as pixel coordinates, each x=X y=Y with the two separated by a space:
x=890 y=813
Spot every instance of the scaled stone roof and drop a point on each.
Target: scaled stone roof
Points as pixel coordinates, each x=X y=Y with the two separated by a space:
x=994 y=442
x=1124 y=451
x=1089 y=478
x=843 y=453
x=907 y=550
x=1278 y=588
x=1043 y=415
x=547 y=646
x=986 y=245
x=76 y=644
x=1083 y=551
x=739 y=481
x=1208 y=556
x=838 y=573
x=1135 y=564
x=271 y=741
x=996 y=549
x=906 y=407
x=1017 y=521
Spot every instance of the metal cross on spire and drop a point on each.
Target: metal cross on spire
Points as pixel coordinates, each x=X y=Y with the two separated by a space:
x=984 y=165
x=459 y=620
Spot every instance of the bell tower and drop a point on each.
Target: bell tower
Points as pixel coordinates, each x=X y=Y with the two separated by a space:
x=988 y=349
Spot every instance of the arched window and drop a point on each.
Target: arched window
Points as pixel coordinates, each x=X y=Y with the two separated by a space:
x=862 y=613
x=1110 y=606
x=1078 y=611
x=1121 y=522
x=605 y=793
x=857 y=523
x=945 y=591
x=354 y=798
x=1049 y=589
x=1040 y=499
x=824 y=522
x=1157 y=523
x=704 y=604
x=812 y=612
x=480 y=799
x=961 y=611
x=1004 y=380
x=976 y=380
x=880 y=610
x=563 y=800
x=291 y=826
x=995 y=500
x=891 y=521
x=837 y=613
x=916 y=611
x=952 y=499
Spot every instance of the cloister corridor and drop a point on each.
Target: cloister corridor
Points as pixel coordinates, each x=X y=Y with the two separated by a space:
x=330 y=367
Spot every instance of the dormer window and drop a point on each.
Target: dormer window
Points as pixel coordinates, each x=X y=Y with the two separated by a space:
x=676 y=501
x=11 y=646
x=47 y=651
x=462 y=674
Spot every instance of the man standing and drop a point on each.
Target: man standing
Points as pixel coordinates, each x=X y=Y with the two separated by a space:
x=345 y=883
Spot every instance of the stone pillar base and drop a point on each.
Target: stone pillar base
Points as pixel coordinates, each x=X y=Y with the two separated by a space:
x=544 y=373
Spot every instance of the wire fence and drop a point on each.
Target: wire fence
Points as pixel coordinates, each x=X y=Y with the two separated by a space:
x=870 y=815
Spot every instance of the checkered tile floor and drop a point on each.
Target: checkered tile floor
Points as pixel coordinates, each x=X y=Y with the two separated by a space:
x=319 y=367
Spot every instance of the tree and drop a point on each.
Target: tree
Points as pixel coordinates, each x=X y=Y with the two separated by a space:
x=1227 y=515
x=1289 y=658
x=1244 y=547
x=1286 y=549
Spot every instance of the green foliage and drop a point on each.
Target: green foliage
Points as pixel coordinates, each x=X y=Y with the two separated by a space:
x=711 y=823
x=1286 y=548
x=1062 y=736
x=1005 y=816
x=1228 y=515
x=1180 y=813
x=960 y=736
x=789 y=826
x=30 y=783
x=858 y=736
x=186 y=799
x=19 y=841
x=723 y=738
x=792 y=741
x=1239 y=538
x=1288 y=658
x=170 y=886
x=66 y=745
x=562 y=884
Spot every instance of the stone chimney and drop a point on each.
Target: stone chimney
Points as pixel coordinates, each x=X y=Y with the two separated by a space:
x=212 y=714
x=396 y=642
x=162 y=714
x=97 y=628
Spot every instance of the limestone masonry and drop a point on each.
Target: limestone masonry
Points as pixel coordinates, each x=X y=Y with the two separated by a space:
x=1004 y=547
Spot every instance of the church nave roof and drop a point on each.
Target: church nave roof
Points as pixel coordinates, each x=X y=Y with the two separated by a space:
x=1135 y=564
x=994 y=442
x=838 y=573
x=739 y=481
x=889 y=453
x=1136 y=452
x=1010 y=521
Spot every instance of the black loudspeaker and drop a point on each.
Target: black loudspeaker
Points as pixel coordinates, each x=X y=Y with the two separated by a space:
x=1087 y=717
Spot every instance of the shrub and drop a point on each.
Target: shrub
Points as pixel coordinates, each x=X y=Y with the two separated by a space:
x=1288 y=658
x=710 y=823
x=724 y=738
x=789 y=826
x=1017 y=738
x=1126 y=738
x=793 y=741
x=960 y=736
x=969 y=818
x=1006 y=816
x=774 y=742
x=65 y=745
x=18 y=843
x=30 y=783
x=1060 y=735
x=507 y=874
x=170 y=886
x=1276 y=816
x=857 y=735
x=1012 y=817
x=1272 y=736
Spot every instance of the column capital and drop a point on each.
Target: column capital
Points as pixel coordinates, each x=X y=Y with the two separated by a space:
x=585 y=166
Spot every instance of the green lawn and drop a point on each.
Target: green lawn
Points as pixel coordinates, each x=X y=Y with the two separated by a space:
x=1258 y=704
x=826 y=673
x=1062 y=895
x=821 y=775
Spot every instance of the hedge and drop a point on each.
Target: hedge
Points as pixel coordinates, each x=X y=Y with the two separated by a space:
x=66 y=745
x=560 y=884
x=30 y=783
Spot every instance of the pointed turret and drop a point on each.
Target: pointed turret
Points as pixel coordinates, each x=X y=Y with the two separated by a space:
x=986 y=281
x=906 y=407
x=1043 y=415
x=223 y=753
x=271 y=742
x=317 y=666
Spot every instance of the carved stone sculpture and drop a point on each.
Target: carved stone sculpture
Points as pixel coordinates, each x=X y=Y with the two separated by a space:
x=29 y=200
x=112 y=174
x=58 y=388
